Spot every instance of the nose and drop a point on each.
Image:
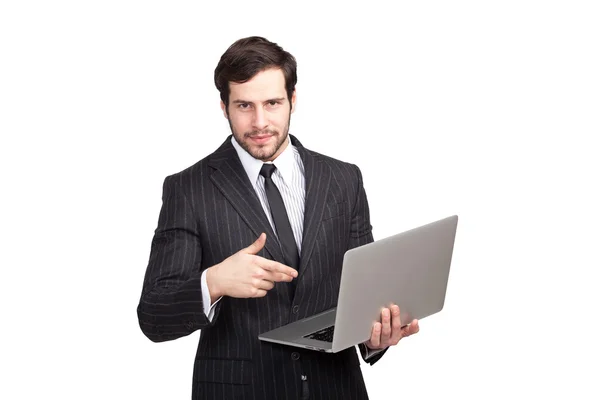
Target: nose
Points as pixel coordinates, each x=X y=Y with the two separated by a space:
x=260 y=119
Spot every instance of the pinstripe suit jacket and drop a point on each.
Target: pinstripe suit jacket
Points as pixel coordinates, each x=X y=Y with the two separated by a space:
x=210 y=211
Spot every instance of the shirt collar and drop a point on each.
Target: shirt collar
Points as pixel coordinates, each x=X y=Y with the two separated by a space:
x=284 y=162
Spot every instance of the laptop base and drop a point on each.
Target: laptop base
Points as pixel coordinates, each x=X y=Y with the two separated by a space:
x=294 y=334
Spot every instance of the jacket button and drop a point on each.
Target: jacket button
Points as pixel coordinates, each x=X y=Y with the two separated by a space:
x=189 y=325
x=295 y=309
x=295 y=356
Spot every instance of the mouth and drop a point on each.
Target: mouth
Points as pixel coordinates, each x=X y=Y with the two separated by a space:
x=260 y=139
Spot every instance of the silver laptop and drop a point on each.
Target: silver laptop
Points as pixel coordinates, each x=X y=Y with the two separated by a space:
x=409 y=269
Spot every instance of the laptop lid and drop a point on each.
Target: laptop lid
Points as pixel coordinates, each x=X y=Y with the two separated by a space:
x=409 y=269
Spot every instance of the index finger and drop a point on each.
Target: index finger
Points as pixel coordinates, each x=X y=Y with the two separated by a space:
x=274 y=266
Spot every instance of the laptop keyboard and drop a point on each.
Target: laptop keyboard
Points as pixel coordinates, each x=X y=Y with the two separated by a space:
x=324 y=335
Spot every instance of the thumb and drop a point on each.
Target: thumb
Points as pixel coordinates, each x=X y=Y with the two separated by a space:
x=257 y=245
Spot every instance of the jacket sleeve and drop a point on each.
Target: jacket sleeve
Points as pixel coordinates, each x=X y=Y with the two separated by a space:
x=171 y=303
x=361 y=233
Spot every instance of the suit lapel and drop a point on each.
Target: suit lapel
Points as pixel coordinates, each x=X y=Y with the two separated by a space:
x=232 y=181
x=317 y=177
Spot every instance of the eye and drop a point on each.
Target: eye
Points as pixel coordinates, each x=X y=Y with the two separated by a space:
x=273 y=103
x=243 y=106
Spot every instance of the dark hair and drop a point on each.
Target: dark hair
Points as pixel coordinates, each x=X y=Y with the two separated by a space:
x=249 y=56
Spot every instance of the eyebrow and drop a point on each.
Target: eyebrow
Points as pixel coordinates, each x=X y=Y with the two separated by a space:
x=250 y=102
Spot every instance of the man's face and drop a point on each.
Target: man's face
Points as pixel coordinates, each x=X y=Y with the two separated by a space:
x=259 y=114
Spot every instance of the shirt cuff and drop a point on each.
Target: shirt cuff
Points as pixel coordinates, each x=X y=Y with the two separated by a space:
x=209 y=309
x=368 y=353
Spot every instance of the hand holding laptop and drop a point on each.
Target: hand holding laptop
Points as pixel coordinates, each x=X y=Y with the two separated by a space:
x=390 y=330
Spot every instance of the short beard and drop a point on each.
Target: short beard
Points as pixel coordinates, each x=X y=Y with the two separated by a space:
x=262 y=153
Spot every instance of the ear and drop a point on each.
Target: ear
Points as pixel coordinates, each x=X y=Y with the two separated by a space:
x=224 y=109
x=293 y=101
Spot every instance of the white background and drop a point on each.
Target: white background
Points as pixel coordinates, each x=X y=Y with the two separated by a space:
x=484 y=109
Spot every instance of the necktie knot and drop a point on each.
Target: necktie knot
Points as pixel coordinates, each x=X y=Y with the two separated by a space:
x=267 y=170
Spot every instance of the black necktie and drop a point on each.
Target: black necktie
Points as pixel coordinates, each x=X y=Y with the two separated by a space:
x=280 y=218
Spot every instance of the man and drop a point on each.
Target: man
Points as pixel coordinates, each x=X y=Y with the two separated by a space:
x=252 y=237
